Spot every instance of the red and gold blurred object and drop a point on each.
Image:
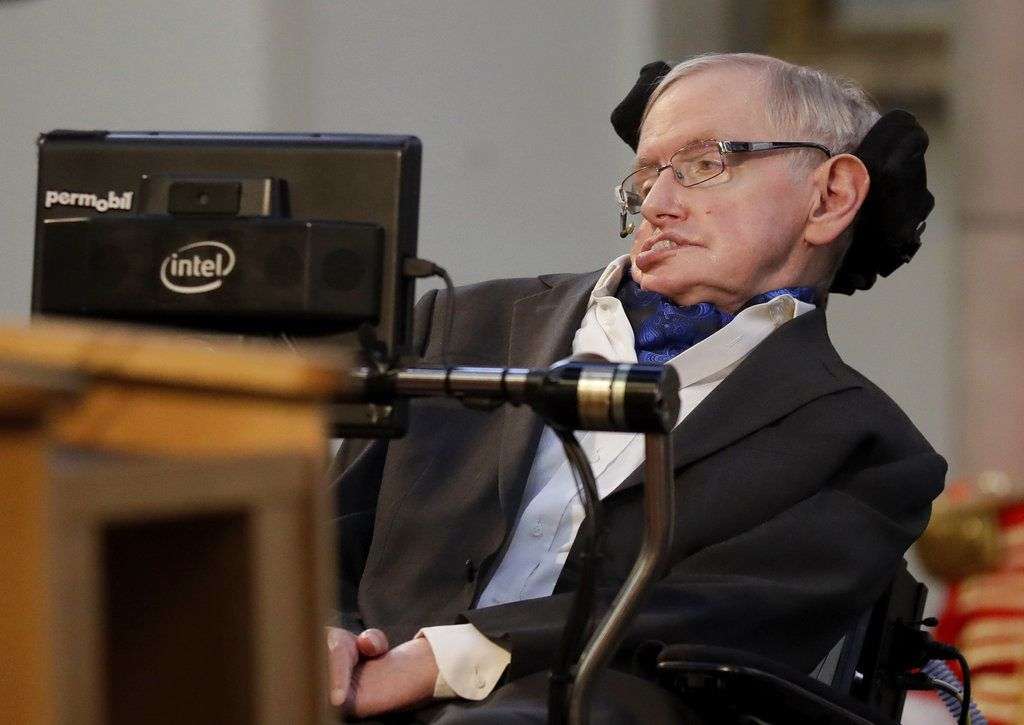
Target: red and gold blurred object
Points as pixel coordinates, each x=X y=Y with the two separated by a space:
x=975 y=542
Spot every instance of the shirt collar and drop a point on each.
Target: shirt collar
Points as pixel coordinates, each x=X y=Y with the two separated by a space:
x=721 y=351
x=610 y=279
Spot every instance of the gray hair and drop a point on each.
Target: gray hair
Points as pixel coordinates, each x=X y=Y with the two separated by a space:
x=816 y=106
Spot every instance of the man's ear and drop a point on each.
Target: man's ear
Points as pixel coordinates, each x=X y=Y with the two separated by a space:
x=841 y=185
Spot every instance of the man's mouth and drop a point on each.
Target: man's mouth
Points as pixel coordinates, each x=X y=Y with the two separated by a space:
x=659 y=247
x=663 y=244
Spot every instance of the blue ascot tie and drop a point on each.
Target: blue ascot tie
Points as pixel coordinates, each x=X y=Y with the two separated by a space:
x=662 y=329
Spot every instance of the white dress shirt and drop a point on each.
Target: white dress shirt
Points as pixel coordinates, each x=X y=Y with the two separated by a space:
x=550 y=513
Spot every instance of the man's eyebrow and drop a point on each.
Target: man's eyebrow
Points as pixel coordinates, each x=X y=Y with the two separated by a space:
x=642 y=161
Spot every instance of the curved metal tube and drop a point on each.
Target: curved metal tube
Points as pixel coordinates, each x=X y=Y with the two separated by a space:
x=659 y=521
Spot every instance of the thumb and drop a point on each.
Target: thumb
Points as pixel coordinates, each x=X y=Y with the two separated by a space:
x=372 y=643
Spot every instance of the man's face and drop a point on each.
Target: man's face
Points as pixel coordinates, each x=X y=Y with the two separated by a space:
x=733 y=236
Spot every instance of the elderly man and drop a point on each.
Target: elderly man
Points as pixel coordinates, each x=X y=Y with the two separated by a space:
x=800 y=484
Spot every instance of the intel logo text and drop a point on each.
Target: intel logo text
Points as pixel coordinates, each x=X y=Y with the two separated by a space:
x=197 y=267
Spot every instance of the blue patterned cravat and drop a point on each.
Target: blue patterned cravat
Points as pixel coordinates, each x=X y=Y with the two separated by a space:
x=663 y=329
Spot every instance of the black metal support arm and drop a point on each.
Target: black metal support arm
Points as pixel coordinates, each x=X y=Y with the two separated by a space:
x=659 y=518
x=572 y=395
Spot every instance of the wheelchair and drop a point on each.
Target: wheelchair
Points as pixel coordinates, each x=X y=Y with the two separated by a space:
x=860 y=682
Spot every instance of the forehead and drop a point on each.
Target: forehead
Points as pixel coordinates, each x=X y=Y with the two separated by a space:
x=720 y=103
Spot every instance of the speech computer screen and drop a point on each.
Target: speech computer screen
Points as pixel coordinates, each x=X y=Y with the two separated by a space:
x=297 y=235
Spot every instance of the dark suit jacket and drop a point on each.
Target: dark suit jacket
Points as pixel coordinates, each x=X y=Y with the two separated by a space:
x=801 y=485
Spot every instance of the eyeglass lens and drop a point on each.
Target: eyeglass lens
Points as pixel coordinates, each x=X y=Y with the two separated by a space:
x=689 y=166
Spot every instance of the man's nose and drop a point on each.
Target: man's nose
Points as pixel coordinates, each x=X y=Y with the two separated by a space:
x=666 y=200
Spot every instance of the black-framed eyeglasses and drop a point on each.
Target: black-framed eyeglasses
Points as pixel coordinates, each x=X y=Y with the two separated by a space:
x=695 y=163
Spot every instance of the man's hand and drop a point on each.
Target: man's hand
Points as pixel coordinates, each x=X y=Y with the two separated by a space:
x=344 y=650
x=401 y=679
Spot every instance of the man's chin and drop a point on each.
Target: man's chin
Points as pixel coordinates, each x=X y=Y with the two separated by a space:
x=675 y=292
x=681 y=293
x=663 y=284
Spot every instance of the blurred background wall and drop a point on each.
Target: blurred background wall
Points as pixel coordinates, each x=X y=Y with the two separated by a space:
x=512 y=102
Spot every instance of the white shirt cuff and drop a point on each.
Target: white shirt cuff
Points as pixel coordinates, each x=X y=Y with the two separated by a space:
x=469 y=665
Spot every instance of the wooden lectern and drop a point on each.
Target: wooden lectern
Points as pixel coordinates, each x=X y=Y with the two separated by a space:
x=163 y=529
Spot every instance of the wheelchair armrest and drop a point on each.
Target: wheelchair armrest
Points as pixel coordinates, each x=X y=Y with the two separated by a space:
x=750 y=684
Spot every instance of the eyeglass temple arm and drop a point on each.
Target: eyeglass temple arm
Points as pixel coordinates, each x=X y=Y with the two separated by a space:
x=741 y=146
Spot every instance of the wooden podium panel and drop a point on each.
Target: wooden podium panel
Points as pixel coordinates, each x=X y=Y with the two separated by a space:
x=163 y=529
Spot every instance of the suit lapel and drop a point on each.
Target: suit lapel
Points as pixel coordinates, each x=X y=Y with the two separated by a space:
x=793 y=366
x=542 y=330
x=788 y=370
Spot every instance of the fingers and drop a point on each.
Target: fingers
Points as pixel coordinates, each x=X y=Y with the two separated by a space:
x=403 y=678
x=372 y=643
x=342 y=656
x=344 y=651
